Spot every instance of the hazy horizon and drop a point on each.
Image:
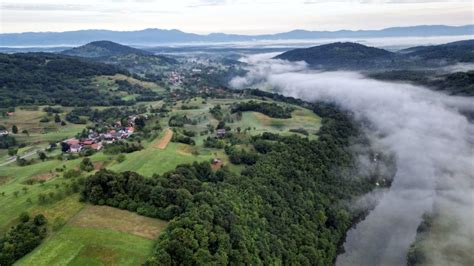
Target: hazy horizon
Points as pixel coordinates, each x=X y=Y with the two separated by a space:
x=231 y=33
x=229 y=16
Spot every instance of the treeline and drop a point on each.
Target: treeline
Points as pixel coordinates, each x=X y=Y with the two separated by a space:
x=416 y=256
x=119 y=147
x=49 y=79
x=458 y=83
x=108 y=115
x=271 y=109
x=22 y=238
x=7 y=142
x=162 y=197
x=288 y=207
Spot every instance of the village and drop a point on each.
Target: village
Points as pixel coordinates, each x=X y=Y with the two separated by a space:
x=96 y=140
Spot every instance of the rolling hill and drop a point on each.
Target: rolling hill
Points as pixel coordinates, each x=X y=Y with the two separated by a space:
x=52 y=79
x=104 y=49
x=461 y=51
x=341 y=55
x=354 y=56
x=132 y=59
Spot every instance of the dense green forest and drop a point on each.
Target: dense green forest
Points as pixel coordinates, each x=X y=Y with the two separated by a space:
x=22 y=238
x=270 y=109
x=341 y=55
x=287 y=207
x=132 y=59
x=458 y=83
x=40 y=79
x=347 y=55
x=460 y=51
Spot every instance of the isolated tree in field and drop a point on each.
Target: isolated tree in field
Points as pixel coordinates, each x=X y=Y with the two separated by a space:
x=57 y=119
x=42 y=156
x=12 y=151
x=25 y=132
x=16 y=193
x=120 y=158
x=14 y=129
x=86 y=165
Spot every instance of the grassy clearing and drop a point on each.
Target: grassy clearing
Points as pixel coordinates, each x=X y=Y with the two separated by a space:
x=104 y=217
x=90 y=246
x=108 y=83
x=151 y=160
x=260 y=123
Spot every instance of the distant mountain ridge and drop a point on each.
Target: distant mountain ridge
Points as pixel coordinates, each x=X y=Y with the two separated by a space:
x=160 y=36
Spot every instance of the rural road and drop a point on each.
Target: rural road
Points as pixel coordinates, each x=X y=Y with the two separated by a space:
x=13 y=158
x=24 y=156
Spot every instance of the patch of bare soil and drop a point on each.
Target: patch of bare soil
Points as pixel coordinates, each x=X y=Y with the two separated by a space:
x=163 y=142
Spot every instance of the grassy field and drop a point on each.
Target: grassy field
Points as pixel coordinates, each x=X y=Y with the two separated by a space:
x=99 y=235
x=39 y=134
x=104 y=217
x=151 y=160
x=90 y=246
x=108 y=83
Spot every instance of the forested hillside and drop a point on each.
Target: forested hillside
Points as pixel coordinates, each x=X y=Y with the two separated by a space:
x=132 y=59
x=458 y=83
x=40 y=78
x=461 y=51
x=289 y=207
x=103 y=49
x=356 y=56
x=341 y=55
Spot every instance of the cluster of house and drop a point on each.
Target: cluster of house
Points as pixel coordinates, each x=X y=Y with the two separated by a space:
x=96 y=140
x=175 y=78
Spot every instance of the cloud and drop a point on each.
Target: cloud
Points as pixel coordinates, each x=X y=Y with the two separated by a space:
x=433 y=144
x=43 y=7
x=312 y=2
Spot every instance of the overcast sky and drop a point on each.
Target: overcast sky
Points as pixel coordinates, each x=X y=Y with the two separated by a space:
x=230 y=16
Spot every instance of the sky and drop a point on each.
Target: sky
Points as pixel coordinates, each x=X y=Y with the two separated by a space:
x=229 y=16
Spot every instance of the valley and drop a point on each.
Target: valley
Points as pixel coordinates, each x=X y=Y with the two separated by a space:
x=134 y=157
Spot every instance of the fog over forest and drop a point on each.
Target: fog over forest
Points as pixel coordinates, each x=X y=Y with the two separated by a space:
x=433 y=144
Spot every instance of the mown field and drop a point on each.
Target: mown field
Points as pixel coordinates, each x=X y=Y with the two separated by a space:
x=99 y=235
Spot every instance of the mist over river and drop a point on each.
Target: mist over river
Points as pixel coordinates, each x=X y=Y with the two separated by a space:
x=433 y=144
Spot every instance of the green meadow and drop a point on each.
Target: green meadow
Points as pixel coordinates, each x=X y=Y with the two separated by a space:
x=90 y=246
x=70 y=244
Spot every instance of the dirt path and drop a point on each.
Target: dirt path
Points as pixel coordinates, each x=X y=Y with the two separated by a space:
x=163 y=142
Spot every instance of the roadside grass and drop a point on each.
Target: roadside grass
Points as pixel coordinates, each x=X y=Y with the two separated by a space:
x=90 y=246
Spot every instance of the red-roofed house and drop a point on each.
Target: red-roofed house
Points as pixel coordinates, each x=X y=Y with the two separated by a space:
x=88 y=142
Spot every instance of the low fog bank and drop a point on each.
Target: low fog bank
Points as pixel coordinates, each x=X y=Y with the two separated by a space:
x=433 y=144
